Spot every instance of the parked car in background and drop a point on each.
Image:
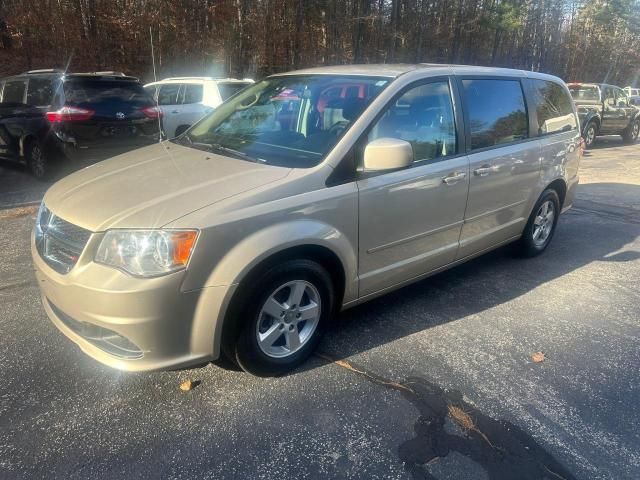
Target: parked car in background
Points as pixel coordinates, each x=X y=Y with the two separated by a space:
x=605 y=110
x=185 y=100
x=89 y=116
x=24 y=131
x=632 y=92
x=246 y=234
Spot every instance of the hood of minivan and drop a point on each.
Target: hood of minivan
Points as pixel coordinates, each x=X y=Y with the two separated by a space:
x=152 y=186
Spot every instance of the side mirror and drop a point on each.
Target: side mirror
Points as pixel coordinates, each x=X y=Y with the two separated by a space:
x=387 y=154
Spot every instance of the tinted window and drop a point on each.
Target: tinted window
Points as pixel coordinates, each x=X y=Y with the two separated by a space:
x=277 y=121
x=588 y=93
x=99 y=91
x=40 y=91
x=229 y=89
x=497 y=112
x=192 y=93
x=14 y=91
x=151 y=90
x=168 y=94
x=554 y=108
x=423 y=116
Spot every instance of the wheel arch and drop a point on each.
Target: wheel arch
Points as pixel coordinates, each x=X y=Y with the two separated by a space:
x=24 y=142
x=560 y=186
x=305 y=239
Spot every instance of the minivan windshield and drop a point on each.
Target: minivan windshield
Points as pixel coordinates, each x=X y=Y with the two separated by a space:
x=291 y=121
x=589 y=93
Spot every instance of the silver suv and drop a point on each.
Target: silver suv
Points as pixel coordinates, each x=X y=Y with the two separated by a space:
x=307 y=193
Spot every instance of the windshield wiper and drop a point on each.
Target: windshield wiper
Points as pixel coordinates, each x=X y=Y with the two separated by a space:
x=216 y=147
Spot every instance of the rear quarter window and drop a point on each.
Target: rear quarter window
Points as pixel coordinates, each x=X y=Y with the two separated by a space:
x=40 y=91
x=497 y=111
x=553 y=107
x=13 y=91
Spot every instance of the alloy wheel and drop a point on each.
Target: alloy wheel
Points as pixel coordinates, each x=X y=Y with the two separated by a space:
x=288 y=319
x=543 y=223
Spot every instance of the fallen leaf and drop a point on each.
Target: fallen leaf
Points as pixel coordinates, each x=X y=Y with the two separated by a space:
x=538 y=357
x=187 y=385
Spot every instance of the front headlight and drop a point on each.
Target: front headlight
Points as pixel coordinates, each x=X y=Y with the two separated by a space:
x=146 y=253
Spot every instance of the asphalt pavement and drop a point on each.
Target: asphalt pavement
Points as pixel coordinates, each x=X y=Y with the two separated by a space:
x=435 y=380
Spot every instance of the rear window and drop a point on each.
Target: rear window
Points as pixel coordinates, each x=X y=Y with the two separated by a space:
x=104 y=91
x=497 y=112
x=554 y=108
x=14 y=91
x=229 y=89
x=584 y=92
x=40 y=91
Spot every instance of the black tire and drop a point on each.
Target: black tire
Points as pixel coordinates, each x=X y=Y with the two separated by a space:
x=181 y=129
x=630 y=135
x=38 y=162
x=248 y=354
x=528 y=246
x=590 y=133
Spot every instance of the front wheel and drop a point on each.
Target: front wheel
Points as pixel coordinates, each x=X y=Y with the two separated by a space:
x=541 y=225
x=590 y=134
x=286 y=311
x=630 y=135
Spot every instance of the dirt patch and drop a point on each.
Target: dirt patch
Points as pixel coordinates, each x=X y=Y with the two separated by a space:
x=18 y=212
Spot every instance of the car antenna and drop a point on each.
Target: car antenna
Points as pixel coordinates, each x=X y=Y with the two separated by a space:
x=155 y=79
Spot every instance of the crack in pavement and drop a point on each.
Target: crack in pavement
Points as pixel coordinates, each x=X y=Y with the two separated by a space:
x=500 y=448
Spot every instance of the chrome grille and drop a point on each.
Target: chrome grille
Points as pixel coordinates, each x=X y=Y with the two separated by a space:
x=59 y=242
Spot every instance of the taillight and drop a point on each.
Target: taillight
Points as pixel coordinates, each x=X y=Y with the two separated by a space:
x=152 y=112
x=70 y=114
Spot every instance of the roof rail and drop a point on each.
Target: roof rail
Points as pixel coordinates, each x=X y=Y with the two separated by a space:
x=43 y=70
x=187 y=78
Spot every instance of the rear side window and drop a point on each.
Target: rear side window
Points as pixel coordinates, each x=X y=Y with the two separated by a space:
x=497 y=112
x=40 y=91
x=554 y=108
x=14 y=91
x=229 y=89
x=168 y=94
x=192 y=93
x=423 y=116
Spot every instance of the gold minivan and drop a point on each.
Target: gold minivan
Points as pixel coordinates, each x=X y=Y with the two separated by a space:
x=302 y=195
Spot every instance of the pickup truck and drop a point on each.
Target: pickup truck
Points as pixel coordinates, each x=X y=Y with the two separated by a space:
x=605 y=110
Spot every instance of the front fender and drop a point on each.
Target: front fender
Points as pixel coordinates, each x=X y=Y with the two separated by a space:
x=591 y=115
x=259 y=246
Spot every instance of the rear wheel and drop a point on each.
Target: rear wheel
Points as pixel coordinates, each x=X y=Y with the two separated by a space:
x=630 y=135
x=181 y=129
x=541 y=225
x=38 y=163
x=590 y=134
x=286 y=312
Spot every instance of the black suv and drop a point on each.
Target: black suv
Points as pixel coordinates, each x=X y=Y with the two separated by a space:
x=605 y=110
x=47 y=115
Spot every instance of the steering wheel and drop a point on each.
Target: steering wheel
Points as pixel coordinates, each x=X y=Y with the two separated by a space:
x=337 y=128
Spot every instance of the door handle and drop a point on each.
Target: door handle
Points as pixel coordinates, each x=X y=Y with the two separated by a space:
x=175 y=111
x=485 y=170
x=454 y=178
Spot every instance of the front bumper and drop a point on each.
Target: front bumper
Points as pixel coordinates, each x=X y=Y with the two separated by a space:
x=131 y=323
